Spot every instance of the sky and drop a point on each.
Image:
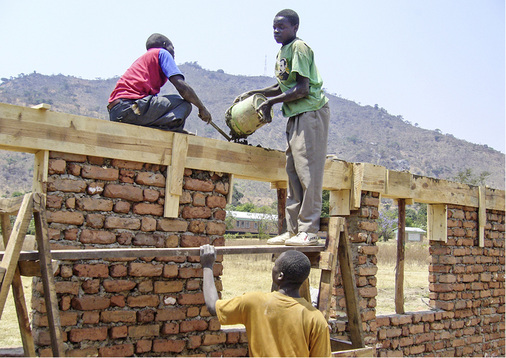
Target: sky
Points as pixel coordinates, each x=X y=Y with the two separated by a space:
x=440 y=64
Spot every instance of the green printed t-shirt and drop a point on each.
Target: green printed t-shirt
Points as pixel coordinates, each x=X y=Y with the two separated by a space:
x=297 y=57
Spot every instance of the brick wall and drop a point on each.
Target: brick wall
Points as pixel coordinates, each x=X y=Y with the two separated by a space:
x=466 y=284
x=154 y=306
x=122 y=307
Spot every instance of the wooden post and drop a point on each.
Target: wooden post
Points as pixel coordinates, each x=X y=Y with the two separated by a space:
x=399 y=272
x=19 y=298
x=281 y=210
x=48 y=282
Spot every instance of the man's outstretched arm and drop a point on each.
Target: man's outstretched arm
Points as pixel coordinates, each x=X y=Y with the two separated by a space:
x=207 y=258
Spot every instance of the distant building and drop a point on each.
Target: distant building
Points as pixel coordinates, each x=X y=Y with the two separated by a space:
x=412 y=234
x=254 y=223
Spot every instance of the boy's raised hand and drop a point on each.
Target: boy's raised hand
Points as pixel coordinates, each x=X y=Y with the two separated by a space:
x=242 y=97
x=207 y=256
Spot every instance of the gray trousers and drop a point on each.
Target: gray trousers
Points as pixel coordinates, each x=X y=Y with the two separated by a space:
x=307 y=135
x=167 y=112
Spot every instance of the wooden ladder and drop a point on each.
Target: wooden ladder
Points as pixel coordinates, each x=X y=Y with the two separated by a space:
x=24 y=207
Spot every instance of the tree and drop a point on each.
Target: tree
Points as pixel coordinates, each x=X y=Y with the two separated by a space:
x=468 y=177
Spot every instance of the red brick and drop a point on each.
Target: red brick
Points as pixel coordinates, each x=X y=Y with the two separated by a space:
x=147 y=178
x=66 y=319
x=119 y=350
x=74 y=169
x=170 y=328
x=69 y=287
x=92 y=204
x=126 y=192
x=194 y=342
x=151 y=195
x=190 y=272
x=191 y=326
x=118 y=316
x=196 y=212
x=142 y=239
x=122 y=207
x=91 y=317
x=143 y=346
x=197 y=226
x=222 y=188
x=65 y=217
x=118 y=285
x=152 y=330
x=170 y=314
x=191 y=298
x=216 y=202
x=170 y=271
x=66 y=185
x=168 y=345
x=91 y=270
x=95 y=221
x=88 y=334
x=125 y=238
x=148 y=224
x=118 y=270
x=145 y=269
x=199 y=199
x=194 y=241
x=172 y=225
x=90 y=303
x=100 y=173
x=148 y=209
x=214 y=228
x=168 y=286
x=95 y=188
x=82 y=352
x=126 y=164
x=97 y=237
x=54 y=201
x=91 y=286
x=146 y=316
x=118 y=301
x=143 y=301
x=212 y=339
x=56 y=166
x=112 y=222
x=69 y=157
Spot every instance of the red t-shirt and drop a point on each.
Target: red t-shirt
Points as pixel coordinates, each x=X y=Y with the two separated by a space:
x=145 y=77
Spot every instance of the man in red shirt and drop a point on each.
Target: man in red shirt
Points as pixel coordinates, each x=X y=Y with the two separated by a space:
x=134 y=100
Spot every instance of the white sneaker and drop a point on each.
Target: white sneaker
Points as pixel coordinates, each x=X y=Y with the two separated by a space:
x=280 y=239
x=303 y=239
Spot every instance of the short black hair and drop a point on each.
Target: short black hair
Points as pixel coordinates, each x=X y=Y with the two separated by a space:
x=295 y=266
x=157 y=41
x=290 y=15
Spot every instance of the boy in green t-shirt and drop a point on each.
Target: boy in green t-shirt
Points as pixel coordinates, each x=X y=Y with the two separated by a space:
x=299 y=88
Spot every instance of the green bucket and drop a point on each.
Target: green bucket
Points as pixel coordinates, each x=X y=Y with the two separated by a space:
x=242 y=117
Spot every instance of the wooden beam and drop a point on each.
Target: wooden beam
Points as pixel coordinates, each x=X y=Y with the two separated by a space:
x=356 y=190
x=482 y=215
x=175 y=175
x=437 y=222
x=399 y=268
x=281 y=193
x=339 y=202
x=48 y=281
x=10 y=205
x=13 y=249
x=91 y=254
x=40 y=171
x=30 y=130
x=19 y=297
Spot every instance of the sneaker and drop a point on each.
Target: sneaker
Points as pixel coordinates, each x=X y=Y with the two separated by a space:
x=280 y=239
x=303 y=239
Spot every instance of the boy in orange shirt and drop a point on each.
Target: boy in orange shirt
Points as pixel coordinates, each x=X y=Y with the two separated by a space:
x=279 y=323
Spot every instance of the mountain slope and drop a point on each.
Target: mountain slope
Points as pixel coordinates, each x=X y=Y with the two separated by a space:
x=357 y=133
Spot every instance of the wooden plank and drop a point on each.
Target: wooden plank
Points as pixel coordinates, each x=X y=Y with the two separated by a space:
x=437 y=222
x=399 y=268
x=19 y=298
x=90 y=254
x=13 y=249
x=40 y=171
x=48 y=282
x=482 y=215
x=305 y=291
x=11 y=205
x=350 y=290
x=179 y=154
x=328 y=272
x=281 y=193
x=359 y=352
x=230 y=193
x=42 y=106
x=356 y=190
x=339 y=202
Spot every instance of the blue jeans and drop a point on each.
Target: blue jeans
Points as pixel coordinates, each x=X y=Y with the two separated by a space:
x=167 y=112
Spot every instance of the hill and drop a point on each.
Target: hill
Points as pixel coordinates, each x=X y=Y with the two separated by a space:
x=357 y=133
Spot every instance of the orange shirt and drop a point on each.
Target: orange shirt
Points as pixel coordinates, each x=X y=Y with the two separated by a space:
x=277 y=325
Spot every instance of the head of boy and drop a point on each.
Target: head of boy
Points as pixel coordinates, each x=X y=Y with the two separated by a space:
x=160 y=41
x=291 y=268
x=285 y=25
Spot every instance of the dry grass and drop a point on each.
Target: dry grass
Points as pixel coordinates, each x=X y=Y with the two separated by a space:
x=10 y=336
